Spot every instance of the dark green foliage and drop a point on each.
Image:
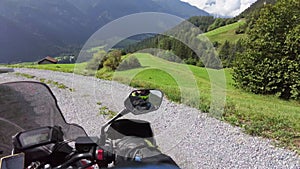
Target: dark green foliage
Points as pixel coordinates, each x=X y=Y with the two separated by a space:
x=251 y=15
x=219 y=22
x=271 y=62
x=228 y=52
x=225 y=53
x=129 y=62
x=102 y=59
x=216 y=44
x=178 y=48
x=241 y=29
x=168 y=55
x=254 y=8
x=113 y=60
x=97 y=61
x=202 y=22
x=190 y=61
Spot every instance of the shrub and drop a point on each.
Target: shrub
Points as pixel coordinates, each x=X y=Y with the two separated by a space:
x=129 y=62
x=113 y=60
x=96 y=62
x=169 y=56
x=104 y=73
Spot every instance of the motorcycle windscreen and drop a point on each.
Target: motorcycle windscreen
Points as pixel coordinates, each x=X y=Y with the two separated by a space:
x=12 y=162
x=30 y=105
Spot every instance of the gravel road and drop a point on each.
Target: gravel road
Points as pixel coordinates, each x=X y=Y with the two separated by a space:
x=192 y=138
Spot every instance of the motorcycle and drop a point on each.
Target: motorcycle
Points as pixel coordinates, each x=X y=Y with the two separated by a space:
x=35 y=134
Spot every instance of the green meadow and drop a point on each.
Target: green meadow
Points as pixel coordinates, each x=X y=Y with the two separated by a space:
x=258 y=115
x=67 y=68
x=226 y=33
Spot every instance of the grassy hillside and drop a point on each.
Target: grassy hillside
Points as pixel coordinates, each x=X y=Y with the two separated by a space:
x=259 y=115
x=226 y=33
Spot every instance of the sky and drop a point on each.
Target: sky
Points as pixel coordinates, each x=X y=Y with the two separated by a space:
x=222 y=7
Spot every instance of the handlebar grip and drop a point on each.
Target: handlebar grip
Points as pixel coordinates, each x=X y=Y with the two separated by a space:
x=104 y=156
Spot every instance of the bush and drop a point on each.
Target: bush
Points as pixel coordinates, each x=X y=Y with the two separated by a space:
x=191 y=61
x=96 y=62
x=129 y=62
x=113 y=60
x=169 y=56
x=105 y=74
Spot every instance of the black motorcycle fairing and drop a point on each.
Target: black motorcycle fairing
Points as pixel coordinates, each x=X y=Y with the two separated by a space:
x=130 y=127
x=29 y=105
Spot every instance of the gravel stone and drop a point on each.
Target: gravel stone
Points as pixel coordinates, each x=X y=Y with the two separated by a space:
x=193 y=139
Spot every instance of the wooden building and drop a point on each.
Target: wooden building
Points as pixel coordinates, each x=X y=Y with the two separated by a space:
x=48 y=60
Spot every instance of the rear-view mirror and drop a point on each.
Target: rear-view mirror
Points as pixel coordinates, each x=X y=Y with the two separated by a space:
x=143 y=101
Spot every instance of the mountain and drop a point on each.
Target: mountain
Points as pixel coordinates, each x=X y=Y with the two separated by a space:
x=256 y=6
x=31 y=29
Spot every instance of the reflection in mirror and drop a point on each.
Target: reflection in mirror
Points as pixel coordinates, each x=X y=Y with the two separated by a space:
x=144 y=101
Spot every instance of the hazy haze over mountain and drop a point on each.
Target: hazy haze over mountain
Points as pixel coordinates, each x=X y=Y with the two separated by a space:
x=225 y=8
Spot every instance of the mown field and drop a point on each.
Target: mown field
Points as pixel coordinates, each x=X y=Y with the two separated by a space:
x=258 y=115
x=67 y=68
x=226 y=33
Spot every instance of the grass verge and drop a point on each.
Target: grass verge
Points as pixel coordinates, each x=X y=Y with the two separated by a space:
x=43 y=80
x=67 y=68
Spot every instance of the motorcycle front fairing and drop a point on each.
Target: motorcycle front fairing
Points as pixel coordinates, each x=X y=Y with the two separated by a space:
x=29 y=105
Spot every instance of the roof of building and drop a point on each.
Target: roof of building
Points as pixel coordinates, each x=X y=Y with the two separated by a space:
x=48 y=58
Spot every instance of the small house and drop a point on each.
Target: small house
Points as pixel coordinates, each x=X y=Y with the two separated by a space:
x=48 y=60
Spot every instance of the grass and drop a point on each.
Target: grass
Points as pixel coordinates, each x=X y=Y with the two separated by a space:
x=43 y=80
x=68 y=68
x=106 y=112
x=258 y=115
x=25 y=75
x=226 y=33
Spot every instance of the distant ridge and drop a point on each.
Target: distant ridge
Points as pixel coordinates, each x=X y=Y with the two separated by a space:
x=32 y=29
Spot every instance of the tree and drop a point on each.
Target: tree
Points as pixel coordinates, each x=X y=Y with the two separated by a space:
x=270 y=64
x=113 y=59
x=96 y=62
x=203 y=22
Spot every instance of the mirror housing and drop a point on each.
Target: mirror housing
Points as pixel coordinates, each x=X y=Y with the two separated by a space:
x=143 y=101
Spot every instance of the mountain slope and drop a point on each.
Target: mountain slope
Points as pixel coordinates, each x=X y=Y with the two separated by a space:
x=255 y=7
x=60 y=26
x=226 y=33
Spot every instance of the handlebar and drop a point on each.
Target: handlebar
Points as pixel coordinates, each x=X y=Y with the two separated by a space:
x=75 y=159
x=98 y=156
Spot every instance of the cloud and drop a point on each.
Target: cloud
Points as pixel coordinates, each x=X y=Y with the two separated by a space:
x=222 y=7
